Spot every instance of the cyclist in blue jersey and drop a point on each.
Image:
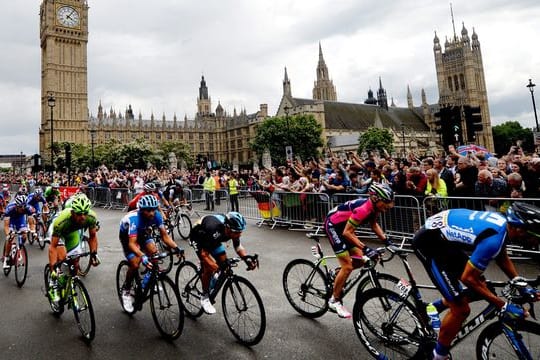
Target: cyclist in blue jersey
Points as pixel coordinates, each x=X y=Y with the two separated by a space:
x=37 y=201
x=14 y=220
x=136 y=243
x=441 y=244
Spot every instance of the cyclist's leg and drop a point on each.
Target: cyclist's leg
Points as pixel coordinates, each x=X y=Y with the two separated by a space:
x=209 y=264
x=341 y=248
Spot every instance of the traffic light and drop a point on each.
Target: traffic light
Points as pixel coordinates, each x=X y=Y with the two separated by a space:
x=448 y=125
x=473 y=119
x=68 y=155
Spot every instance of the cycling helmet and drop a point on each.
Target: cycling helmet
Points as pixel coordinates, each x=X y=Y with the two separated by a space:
x=81 y=205
x=524 y=215
x=55 y=185
x=147 y=202
x=23 y=190
x=236 y=221
x=149 y=187
x=381 y=191
x=20 y=200
x=38 y=191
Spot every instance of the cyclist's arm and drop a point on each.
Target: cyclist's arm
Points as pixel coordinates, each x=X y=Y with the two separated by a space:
x=506 y=265
x=167 y=238
x=240 y=250
x=350 y=235
x=472 y=278
x=377 y=229
x=134 y=246
x=93 y=240
x=6 y=225
x=53 y=254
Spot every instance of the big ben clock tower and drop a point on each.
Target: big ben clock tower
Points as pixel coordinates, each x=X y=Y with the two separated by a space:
x=64 y=39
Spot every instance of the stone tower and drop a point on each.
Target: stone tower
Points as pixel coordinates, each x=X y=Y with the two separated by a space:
x=324 y=88
x=63 y=40
x=461 y=80
x=204 y=105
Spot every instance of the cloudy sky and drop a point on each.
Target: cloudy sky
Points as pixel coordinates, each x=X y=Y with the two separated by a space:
x=152 y=54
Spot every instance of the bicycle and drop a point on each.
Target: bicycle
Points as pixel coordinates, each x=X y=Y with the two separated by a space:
x=40 y=233
x=395 y=325
x=165 y=302
x=17 y=257
x=167 y=262
x=308 y=285
x=242 y=305
x=73 y=293
x=84 y=264
x=180 y=220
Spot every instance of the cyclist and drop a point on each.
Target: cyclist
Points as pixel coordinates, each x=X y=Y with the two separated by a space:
x=137 y=245
x=66 y=237
x=150 y=189
x=208 y=236
x=14 y=220
x=340 y=226
x=37 y=201
x=52 y=195
x=441 y=244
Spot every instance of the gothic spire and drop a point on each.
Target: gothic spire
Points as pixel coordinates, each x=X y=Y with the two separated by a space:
x=286 y=84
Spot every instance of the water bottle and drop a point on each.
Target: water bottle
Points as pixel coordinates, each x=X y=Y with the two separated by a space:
x=333 y=273
x=13 y=250
x=434 y=318
x=213 y=280
x=146 y=279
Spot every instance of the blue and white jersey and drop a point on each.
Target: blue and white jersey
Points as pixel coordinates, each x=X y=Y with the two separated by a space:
x=35 y=200
x=482 y=231
x=135 y=224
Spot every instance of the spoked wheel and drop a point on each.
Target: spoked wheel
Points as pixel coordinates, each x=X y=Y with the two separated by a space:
x=121 y=273
x=183 y=226
x=167 y=309
x=40 y=235
x=85 y=262
x=10 y=261
x=306 y=288
x=169 y=225
x=189 y=287
x=21 y=265
x=383 y=280
x=30 y=237
x=493 y=343
x=243 y=310
x=83 y=310
x=167 y=262
x=57 y=309
x=389 y=326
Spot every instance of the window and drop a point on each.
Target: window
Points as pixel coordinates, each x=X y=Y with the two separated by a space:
x=462 y=81
x=450 y=83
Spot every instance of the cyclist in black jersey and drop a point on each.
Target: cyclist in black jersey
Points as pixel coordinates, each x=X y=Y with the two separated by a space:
x=208 y=236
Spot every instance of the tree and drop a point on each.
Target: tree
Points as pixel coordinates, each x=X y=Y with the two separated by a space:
x=376 y=139
x=505 y=135
x=302 y=132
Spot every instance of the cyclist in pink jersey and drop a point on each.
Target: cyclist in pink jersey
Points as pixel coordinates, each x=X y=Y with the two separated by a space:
x=340 y=225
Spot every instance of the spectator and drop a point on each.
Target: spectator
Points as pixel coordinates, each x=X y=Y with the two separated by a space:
x=445 y=174
x=435 y=185
x=467 y=174
x=416 y=182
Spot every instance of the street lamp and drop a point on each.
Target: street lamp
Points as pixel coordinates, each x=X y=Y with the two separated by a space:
x=288 y=147
x=92 y=137
x=22 y=163
x=51 y=101
x=531 y=86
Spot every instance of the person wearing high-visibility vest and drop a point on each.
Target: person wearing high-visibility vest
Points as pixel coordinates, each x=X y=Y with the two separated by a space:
x=232 y=185
x=209 y=186
x=217 y=180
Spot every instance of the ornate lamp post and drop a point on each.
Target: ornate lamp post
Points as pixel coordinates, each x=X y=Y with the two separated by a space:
x=531 y=86
x=51 y=101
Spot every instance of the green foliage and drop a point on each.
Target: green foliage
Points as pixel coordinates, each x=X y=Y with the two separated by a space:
x=506 y=135
x=302 y=132
x=376 y=139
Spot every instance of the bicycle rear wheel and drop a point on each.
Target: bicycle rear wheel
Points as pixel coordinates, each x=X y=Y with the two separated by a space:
x=121 y=284
x=389 y=326
x=40 y=234
x=243 y=310
x=189 y=287
x=85 y=262
x=21 y=265
x=57 y=309
x=83 y=310
x=167 y=309
x=494 y=344
x=306 y=288
x=183 y=226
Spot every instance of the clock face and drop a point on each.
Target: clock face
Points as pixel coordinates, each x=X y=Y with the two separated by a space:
x=67 y=16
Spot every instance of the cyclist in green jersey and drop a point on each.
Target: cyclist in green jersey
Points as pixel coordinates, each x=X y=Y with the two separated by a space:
x=66 y=236
x=52 y=195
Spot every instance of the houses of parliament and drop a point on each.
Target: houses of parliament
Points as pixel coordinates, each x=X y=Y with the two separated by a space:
x=225 y=137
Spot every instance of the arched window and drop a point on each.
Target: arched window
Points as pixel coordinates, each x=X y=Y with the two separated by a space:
x=462 y=81
x=456 y=83
x=450 y=83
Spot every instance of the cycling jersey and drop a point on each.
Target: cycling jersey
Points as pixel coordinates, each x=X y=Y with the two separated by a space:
x=209 y=234
x=17 y=220
x=133 y=203
x=135 y=224
x=36 y=201
x=69 y=231
x=51 y=193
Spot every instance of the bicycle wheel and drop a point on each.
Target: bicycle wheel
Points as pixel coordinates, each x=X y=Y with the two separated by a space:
x=243 y=310
x=388 y=326
x=30 y=238
x=83 y=310
x=57 y=309
x=189 y=287
x=167 y=262
x=85 y=262
x=167 y=309
x=494 y=344
x=306 y=288
x=382 y=280
x=21 y=265
x=10 y=261
x=183 y=226
x=121 y=272
x=40 y=234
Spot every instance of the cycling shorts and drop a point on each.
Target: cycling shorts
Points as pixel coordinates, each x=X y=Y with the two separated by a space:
x=339 y=244
x=140 y=243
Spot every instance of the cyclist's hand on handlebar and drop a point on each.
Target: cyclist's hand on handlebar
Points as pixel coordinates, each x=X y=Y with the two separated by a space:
x=178 y=251
x=251 y=261
x=146 y=262
x=94 y=258
x=513 y=312
x=370 y=253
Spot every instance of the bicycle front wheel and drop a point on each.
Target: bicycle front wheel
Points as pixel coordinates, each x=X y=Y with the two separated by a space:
x=379 y=280
x=167 y=309
x=40 y=234
x=189 y=287
x=243 y=310
x=21 y=265
x=85 y=262
x=57 y=308
x=183 y=226
x=83 y=310
x=388 y=326
x=121 y=284
x=167 y=262
x=306 y=288
x=494 y=344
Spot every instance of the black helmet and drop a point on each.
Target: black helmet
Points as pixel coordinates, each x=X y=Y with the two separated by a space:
x=524 y=215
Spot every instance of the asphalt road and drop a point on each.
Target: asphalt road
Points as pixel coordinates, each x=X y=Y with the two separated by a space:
x=30 y=331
